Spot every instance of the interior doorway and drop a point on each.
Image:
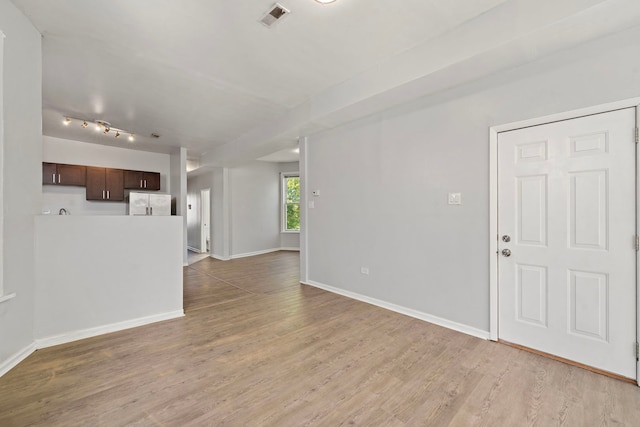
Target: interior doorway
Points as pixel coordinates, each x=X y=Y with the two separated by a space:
x=205 y=220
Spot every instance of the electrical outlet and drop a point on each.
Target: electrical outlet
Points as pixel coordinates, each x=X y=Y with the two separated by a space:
x=364 y=270
x=312 y=205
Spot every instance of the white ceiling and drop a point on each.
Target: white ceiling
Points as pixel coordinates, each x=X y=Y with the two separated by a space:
x=206 y=75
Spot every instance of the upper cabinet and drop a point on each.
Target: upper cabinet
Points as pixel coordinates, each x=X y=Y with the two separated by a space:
x=61 y=174
x=105 y=184
x=138 y=180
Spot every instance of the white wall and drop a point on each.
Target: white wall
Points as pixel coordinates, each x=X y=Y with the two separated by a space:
x=178 y=188
x=255 y=208
x=289 y=240
x=21 y=179
x=384 y=181
x=57 y=150
x=97 y=274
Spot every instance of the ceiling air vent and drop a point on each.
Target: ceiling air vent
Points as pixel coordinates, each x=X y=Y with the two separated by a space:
x=275 y=14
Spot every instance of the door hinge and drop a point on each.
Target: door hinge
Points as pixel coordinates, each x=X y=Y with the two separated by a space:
x=637 y=351
x=637 y=243
x=637 y=135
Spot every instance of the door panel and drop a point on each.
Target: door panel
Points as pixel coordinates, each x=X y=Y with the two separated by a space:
x=115 y=184
x=566 y=199
x=72 y=175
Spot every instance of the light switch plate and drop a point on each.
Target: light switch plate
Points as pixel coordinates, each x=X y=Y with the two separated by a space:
x=311 y=204
x=455 y=198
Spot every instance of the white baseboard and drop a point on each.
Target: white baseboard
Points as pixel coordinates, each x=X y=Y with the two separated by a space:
x=196 y=250
x=248 y=254
x=465 y=329
x=18 y=357
x=290 y=249
x=105 y=329
x=219 y=257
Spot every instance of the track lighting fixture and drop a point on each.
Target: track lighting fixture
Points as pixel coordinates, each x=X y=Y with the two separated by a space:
x=100 y=125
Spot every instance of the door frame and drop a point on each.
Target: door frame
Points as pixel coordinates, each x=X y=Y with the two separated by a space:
x=493 y=200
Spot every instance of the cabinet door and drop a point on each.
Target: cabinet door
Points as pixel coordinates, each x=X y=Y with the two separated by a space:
x=49 y=173
x=115 y=184
x=133 y=180
x=152 y=181
x=96 y=183
x=71 y=175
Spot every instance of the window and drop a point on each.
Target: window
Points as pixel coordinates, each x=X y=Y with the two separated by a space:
x=290 y=202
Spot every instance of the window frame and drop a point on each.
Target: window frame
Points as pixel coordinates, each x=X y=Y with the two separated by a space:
x=283 y=201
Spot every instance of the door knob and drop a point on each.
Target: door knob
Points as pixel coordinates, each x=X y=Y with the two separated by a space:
x=506 y=252
x=506 y=238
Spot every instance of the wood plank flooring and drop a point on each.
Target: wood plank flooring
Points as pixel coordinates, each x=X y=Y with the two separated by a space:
x=258 y=349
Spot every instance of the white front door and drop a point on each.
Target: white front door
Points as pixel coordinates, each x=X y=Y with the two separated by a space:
x=566 y=213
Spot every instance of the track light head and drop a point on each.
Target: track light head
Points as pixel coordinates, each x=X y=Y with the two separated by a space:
x=66 y=121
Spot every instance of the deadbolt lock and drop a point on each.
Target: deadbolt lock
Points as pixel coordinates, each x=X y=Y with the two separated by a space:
x=506 y=238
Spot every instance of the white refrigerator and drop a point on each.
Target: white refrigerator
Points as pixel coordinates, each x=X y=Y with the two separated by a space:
x=149 y=204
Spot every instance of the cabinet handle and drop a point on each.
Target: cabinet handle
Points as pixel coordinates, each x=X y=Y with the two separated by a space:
x=108 y=197
x=54 y=178
x=146 y=210
x=145 y=183
x=140 y=183
x=59 y=180
x=103 y=193
x=151 y=210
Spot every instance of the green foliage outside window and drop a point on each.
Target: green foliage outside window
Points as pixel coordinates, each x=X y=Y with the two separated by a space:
x=292 y=201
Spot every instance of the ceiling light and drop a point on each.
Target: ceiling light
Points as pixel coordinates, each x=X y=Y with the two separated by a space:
x=101 y=125
x=325 y=1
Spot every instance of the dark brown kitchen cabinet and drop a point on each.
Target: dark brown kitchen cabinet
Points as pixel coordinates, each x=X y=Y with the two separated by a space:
x=139 y=180
x=105 y=184
x=61 y=174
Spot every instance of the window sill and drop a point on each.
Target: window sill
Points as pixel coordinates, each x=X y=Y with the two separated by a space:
x=7 y=297
x=290 y=232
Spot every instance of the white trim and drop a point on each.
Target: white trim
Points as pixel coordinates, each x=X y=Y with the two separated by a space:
x=219 y=257
x=290 y=249
x=18 y=357
x=196 y=250
x=459 y=327
x=493 y=198
x=7 y=297
x=105 y=329
x=248 y=254
x=637 y=253
x=493 y=234
x=303 y=143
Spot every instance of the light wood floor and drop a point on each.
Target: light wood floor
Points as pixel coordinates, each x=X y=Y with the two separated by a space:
x=258 y=349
